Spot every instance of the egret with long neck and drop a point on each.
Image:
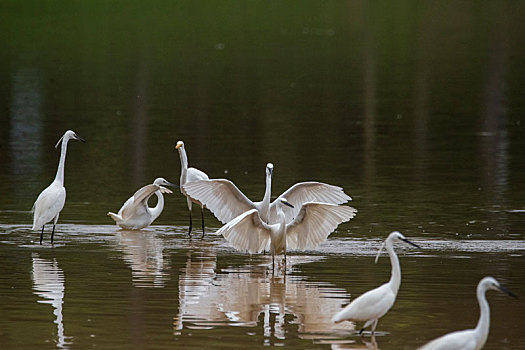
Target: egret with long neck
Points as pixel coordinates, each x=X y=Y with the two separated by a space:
x=375 y=303
x=471 y=339
x=135 y=214
x=188 y=175
x=51 y=200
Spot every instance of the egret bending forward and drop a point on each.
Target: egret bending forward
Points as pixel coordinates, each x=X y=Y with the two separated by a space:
x=188 y=175
x=374 y=304
x=51 y=200
x=226 y=201
x=471 y=339
x=135 y=214
x=315 y=221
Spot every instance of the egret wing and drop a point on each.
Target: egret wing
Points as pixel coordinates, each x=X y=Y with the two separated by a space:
x=194 y=174
x=314 y=223
x=140 y=199
x=221 y=197
x=48 y=205
x=456 y=340
x=303 y=192
x=247 y=232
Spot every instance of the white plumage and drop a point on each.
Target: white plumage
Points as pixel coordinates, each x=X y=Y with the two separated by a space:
x=471 y=339
x=135 y=214
x=226 y=201
x=315 y=221
x=374 y=304
x=51 y=200
x=188 y=175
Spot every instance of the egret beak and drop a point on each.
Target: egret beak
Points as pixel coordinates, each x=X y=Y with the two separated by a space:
x=508 y=292
x=179 y=145
x=406 y=240
x=287 y=203
x=171 y=184
x=79 y=138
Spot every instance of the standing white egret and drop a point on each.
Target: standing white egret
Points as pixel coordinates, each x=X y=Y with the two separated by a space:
x=375 y=303
x=188 y=175
x=135 y=214
x=471 y=339
x=315 y=221
x=226 y=201
x=51 y=200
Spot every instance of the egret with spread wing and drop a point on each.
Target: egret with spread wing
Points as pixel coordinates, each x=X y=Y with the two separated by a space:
x=375 y=303
x=226 y=201
x=314 y=222
x=51 y=200
x=471 y=339
x=188 y=175
x=135 y=214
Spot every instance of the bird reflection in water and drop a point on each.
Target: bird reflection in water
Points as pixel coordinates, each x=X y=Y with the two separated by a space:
x=48 y=283
x=143 y=252
x=248 y=295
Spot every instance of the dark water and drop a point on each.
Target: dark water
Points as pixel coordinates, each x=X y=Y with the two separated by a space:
x=415 y=108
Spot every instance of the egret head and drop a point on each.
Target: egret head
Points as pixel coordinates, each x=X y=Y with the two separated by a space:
x=269 y=169
x=284 y=201
x=392 y=237
x=491 y=283
x=70 y=134
x=163 y=182
x=179 y=145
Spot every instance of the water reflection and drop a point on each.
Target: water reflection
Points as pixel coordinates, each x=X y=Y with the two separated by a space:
x=143 y=252
x=248 y=295
x=48 y=283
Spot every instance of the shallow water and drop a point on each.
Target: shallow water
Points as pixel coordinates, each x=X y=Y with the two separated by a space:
x=414 y=108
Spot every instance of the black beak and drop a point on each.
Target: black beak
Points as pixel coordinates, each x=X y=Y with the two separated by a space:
x=288 y=204
x=80 y=138
x=508 y=292
x=171 y=184
x=415 y=245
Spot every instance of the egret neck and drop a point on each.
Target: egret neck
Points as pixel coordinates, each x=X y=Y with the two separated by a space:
x=395 y=279
x=183 y=166
x=157 y=210
x=482 y=328
x=265 y=204
x=61 y=164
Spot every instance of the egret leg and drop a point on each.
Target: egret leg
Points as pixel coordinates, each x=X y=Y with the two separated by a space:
x=367 y=323
x=202 y=217
x=374 y=325
x=189 y=231
x=52 y=233
x=42 y=234
x=273 y=263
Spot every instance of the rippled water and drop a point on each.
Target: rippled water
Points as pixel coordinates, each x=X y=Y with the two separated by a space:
x=414 y=108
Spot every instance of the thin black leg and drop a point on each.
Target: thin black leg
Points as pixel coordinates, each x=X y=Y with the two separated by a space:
x=42 y=234
x=52 y=233
x=202 y=217
x=273 y=263
x=189 y=231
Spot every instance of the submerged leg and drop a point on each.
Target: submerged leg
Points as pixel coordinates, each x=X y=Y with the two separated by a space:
x=202 y=217
x=189 y=231
x=42 y=234
x=52 y=233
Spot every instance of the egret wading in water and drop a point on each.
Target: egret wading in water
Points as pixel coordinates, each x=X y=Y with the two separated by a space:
x=471 y=339
x=51 y=200
x=188 y=175
x=135 y=214
x=312 y=225
x=375 y=303
x=227 y=202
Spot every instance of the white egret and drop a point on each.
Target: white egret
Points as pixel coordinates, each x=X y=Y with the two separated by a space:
x=374 y=304
x=51 y=200
x=226 y=201
x=188 y=175
x=471 y=339
x=314 y=222
x=135 y=214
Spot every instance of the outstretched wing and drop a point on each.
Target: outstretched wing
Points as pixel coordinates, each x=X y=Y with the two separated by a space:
x=140 y=199
x=314 y=223
x=221 y=197
x=247 y=232
x=304 y=192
